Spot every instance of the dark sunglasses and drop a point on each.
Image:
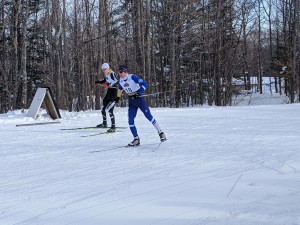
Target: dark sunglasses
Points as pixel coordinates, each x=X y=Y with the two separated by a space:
x=122 y=71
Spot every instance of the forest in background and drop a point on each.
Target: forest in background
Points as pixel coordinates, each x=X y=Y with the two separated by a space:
x=188 y=51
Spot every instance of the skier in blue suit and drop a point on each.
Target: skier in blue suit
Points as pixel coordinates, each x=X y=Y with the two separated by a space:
x=134 y=87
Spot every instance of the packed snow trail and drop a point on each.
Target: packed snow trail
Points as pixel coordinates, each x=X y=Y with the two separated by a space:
x=231 y=165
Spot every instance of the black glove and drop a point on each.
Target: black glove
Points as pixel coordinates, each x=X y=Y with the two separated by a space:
x=117 y=99
x=97 y=82
x=135 y=95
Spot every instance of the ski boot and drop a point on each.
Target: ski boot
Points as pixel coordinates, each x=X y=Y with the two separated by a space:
x=102 y=125
x=135 y=142
x=112 y=129
x=162 y=136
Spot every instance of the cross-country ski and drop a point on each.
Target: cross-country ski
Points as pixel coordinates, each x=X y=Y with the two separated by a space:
x=90 y=128
x=101 y=133
x=137 y=147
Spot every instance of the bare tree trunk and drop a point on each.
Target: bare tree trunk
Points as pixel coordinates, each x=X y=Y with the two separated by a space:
x=23 y=68
x=268 y=12
x=102 y=49
x=245 y=8
x=3 y=73
x=14 y=79
x=260 y=75
x=89 y=60
x=148 y=54
x=77 y=78
x=294 y=49
x=57 y=26
x=138 y=37
x=220 y=51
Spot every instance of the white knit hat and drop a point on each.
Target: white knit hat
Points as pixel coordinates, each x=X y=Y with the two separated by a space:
x=105 y=66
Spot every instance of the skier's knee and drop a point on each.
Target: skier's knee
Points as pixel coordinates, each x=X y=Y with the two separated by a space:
x=111 y=111
x=131 y=122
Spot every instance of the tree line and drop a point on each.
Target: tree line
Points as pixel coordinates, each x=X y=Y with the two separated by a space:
x=189 y=51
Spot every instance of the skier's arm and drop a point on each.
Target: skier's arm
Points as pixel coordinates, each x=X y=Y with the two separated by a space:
x=101 y=82
x=113 y=78
x=119 y=94
x=141 y=82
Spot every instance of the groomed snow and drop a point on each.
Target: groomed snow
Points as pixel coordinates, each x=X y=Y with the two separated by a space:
x=219 y=166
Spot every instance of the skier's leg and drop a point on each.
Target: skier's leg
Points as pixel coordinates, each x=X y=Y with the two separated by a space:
x=103 y=112
x=112 y=93
x=132 y=111
x=112 y=117
x=145 y=109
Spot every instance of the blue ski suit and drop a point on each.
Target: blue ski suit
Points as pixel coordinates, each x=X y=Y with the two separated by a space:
x=134 y=87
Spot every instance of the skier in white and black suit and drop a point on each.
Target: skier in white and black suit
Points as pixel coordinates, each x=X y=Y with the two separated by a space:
x=134 y=87
x=111 y=82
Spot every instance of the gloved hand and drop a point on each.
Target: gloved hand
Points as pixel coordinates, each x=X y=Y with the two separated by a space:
x=97 y=82
x=117 y=99
x=135 y=95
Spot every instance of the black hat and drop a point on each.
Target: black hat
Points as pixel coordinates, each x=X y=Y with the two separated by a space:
x=122 y=68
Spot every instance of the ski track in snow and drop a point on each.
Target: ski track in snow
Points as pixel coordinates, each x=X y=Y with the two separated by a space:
x=232 y=165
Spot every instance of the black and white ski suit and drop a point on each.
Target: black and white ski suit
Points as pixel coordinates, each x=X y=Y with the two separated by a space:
x=111 y=81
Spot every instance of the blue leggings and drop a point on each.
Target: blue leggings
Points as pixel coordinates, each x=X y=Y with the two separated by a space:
x=134 y=105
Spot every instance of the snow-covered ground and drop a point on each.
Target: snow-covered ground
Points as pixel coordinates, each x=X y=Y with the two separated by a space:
x=220 y=166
